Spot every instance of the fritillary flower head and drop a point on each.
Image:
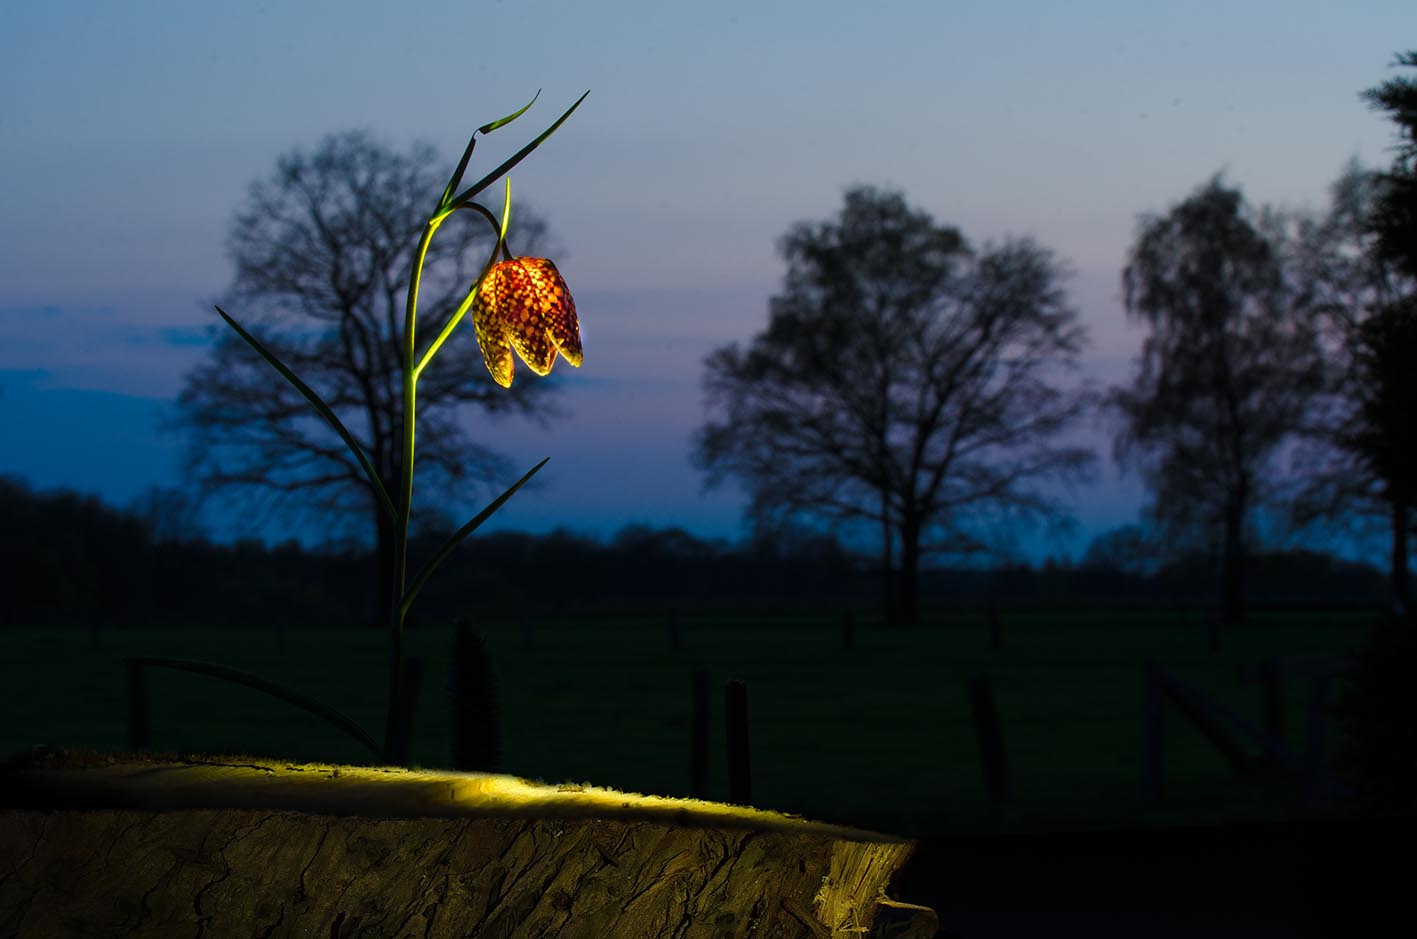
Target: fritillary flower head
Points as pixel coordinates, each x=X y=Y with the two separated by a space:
x=523 y=304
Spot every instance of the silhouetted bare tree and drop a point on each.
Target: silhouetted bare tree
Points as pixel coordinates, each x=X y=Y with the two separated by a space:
x=1224 y=377
x=903 y=380
x=323 y=250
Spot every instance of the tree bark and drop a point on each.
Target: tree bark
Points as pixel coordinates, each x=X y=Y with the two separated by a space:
x=909 y=573
x=1232 y=563
x=203 y=847
x=887 y=565
x=1401 y=591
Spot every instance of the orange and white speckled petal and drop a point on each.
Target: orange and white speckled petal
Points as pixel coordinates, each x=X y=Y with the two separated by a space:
x=524 y=305
x=491 y=333
x=558 y=310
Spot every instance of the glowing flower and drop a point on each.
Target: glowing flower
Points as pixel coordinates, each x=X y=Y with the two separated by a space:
x=523 y=304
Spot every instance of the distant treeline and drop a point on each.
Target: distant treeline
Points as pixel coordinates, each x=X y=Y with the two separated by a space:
x=69 y=560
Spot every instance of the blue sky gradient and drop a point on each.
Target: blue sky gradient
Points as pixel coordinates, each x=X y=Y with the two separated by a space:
x=130 y=133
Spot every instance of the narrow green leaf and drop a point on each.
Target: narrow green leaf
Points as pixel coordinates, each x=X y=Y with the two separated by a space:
x=288 y=695
x=472 y=141
x=503 y=121
x=457 y=173
x=515 y=158
x=322 y=408
x=461 y=534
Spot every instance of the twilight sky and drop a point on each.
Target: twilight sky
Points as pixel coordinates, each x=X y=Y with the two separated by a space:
x=129 y=133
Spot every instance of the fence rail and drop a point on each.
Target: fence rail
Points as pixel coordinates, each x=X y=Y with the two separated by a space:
x=1232 y=735
x=1247 y=748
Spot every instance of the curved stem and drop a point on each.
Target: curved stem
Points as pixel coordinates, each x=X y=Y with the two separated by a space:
x=456 y=318
x=492 y=220
x=410 y=313
x=405 y=505
x=485 y=213
x=466 y=304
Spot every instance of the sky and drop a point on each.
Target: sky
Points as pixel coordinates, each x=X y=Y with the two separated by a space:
x=129 y=134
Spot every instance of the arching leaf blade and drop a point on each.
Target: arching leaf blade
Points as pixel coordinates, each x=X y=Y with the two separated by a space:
x=323 y=409
x=472 y=141
x=256 y=682
x=504 y=121
x=457 y=537
x=517 y=157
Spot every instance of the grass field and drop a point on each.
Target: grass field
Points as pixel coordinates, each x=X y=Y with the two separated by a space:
x=878 y=735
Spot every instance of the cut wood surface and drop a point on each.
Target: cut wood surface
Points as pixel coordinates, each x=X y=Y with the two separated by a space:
x=164 y=846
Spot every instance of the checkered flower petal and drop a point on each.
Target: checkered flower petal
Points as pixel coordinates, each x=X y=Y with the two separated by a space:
x=524 y=305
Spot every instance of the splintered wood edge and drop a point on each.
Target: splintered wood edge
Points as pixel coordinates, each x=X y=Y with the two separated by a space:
x=191 y=782
x=852 y=892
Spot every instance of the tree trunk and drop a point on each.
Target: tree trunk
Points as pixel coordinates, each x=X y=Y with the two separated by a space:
x=887 y=567
x=909 y=573
x=1232 y=565
x=1398 y=559
x=203 y=847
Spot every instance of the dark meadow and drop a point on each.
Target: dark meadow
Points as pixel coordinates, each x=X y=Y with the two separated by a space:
x=1232 y=700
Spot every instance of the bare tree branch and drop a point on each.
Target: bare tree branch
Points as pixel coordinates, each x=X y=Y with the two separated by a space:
x=903 y=379
x=322 y=251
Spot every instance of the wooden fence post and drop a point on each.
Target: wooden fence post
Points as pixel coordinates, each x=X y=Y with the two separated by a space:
x=139 y=734
x=991 y=740
x=848 y=630
x=1153 y=726
x=735 y=709
x=996 y=629
x=1213 y=631
x=698 y=736
x=672 y=622
x=474 y=730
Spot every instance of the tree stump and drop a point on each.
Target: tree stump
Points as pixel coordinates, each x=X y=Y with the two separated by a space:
x=141 y=845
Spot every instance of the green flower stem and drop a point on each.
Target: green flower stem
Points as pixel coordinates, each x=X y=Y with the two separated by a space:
x=397 y=610
x=411 y=371
x=463 y=307
x=400 y=513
